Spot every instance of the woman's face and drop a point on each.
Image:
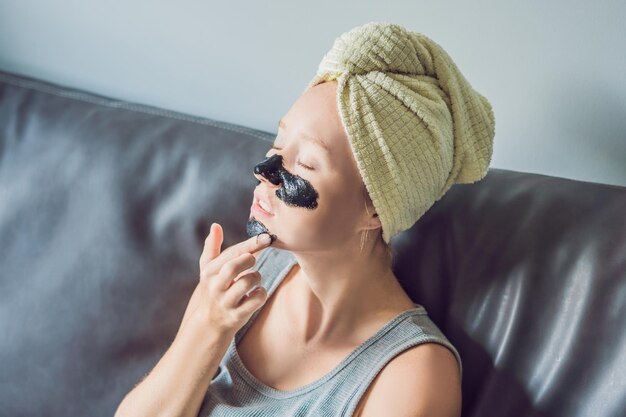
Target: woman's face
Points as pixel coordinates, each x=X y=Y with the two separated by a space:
x=310 y=180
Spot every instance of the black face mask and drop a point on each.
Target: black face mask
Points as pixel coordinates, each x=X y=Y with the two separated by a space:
x=295 y=191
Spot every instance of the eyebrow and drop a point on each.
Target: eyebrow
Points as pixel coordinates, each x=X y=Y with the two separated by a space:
x=317 y=141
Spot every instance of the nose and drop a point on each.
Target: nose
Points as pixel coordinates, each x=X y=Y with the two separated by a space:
x=268 y=169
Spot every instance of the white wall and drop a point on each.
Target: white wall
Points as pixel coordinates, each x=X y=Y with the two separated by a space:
x=554 y=71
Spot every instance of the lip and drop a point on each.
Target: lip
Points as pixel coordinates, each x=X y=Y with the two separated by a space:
x=258 y=209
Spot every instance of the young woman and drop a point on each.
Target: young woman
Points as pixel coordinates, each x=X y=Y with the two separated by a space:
x=314 y=322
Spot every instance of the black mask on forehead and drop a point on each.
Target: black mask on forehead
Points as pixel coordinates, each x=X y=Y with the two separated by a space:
x=295 y=190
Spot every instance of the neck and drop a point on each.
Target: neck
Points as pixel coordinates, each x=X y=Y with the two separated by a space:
x=332 y=291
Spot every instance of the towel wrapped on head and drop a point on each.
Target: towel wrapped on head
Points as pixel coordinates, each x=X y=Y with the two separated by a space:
x=415 y=124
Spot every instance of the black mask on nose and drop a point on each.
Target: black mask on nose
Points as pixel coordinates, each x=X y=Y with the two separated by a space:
x=295 y=190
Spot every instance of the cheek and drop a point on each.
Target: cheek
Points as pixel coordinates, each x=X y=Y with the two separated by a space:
x=331 y=224
x=335 y=213
x=332 y=207
x=298 y=192
x=343 y=208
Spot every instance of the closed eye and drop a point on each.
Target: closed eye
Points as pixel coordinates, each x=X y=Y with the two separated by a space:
x=299 y=163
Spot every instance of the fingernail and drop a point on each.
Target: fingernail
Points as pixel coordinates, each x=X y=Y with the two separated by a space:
x=265 y=238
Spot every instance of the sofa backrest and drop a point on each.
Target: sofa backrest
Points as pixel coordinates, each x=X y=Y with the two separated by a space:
x=526 y=275
x=105 y=204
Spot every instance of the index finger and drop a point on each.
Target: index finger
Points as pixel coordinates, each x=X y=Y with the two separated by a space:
x=251 y=245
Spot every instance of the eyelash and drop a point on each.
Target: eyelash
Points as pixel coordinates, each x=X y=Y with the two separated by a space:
x=299 y=163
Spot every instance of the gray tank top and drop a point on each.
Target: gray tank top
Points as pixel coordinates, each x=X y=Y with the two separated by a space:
x=235 y=392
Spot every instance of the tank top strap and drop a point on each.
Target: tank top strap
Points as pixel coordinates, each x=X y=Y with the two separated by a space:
x=273 y=264
x=408 y=329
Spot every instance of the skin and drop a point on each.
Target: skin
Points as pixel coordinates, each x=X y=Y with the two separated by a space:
x=319 y=216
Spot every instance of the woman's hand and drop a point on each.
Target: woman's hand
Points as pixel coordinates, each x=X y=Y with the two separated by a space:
x=220 y=298
x=217 y=309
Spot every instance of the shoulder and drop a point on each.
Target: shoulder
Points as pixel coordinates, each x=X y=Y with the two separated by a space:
x=423 y=380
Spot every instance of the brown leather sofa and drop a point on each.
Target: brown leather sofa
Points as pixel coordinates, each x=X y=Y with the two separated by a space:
x=105 y=204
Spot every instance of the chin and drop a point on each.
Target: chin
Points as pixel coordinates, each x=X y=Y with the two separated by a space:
x=255 y=227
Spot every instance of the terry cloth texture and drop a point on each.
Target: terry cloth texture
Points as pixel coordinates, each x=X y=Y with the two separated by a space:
x=415 y=124
x=235 y=392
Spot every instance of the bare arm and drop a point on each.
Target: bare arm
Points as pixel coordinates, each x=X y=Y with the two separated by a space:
x=177 y=384
x=221 y=304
